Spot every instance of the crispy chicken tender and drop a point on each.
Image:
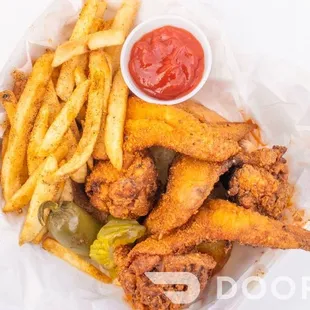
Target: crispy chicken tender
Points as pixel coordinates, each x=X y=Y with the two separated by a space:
x=190 y=183
x=173 y=128
x=261 y=183
x=208 y=145
x=128 y=193
x=143 y=294
x=223 y=220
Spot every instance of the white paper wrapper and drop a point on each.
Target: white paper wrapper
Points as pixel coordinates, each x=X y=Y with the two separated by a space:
x=273 y=94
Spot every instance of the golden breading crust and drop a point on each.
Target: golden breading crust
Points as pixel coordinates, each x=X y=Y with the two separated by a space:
x=223 y=220
x=143 y=294
x=124 y=194
x=261 y=184
x=190 y=183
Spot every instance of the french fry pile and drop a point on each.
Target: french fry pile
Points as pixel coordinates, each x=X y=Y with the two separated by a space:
x=69 y=111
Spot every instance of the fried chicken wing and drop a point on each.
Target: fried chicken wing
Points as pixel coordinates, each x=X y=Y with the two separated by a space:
x=223 y=220
x=142 y=134
x=143 y=294
x=171 y=127
x=190 y=183
x=261 y=183
x=201 y=112
x=124 y=194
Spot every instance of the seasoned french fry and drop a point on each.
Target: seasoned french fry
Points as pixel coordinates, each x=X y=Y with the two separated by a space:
x=55 y=76
x=66 y=82
x=43 y=191
x=100 y=39
x=20 y=80
x=123 y=21
x=27 y=109
x=94 y=113
x=38 y=239
x=99 y=150
x=80 y=175
x=79 y=76
x=86 y=19
x=38 y=132
x=5 y=141
x=106 y=24
x=67 y=192
x=90 y=163
x=102 y=6
x=74 y=260
x=114 y=133
x=9 y=103
x=23 y=196
x=105 y=38
x=51 y=100
x=64 y=119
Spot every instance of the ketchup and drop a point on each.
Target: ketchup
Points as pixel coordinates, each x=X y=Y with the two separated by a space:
x=167 y=63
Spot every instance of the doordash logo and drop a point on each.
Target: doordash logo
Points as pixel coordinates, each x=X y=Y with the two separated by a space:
x=177 y=278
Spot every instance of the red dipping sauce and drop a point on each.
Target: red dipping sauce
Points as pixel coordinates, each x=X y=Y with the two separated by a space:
x=167 y=63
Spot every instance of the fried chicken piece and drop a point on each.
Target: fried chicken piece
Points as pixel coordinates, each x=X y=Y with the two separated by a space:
x=190 y=183
x=201 y=112
x=143 y=294
x=261 y=184
x=124 y=194
x=173 y=128
x=223 y=220
x=209 y=145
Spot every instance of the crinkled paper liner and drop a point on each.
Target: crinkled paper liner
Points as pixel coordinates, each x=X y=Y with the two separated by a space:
x=276 y=96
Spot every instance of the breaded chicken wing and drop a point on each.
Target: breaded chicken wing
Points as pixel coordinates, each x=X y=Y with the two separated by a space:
x=173 y=128
x=223 y=220
x=190 y=183
x=209 y=145
x=261 y=184
x=143 y=294
x=124 y=194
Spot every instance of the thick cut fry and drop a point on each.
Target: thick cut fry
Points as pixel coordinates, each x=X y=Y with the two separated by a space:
x=100 y=151
x=123 y=21
x=20 y=80
x=38 y=239
x=23 y=196
x=44 y=191
x=79 y=76
x=64 y=119
x=94 y=41
x=74 y=260
x=27 y=109
x=86 y=19
x=66 y=82
x=93 y=116
x=9 y=103
x=51 y=100
x=107 y=24
x=114 y=134
x=190 y=183
x=5 y=142
x=142 y=134
x=80 y=175
x=105 y=38
x=37 y=135
x=55 y=76
x=67 y=192
x=223 y=220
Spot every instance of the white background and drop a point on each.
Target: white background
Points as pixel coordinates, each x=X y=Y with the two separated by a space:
x=256 y=29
